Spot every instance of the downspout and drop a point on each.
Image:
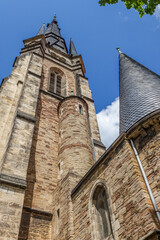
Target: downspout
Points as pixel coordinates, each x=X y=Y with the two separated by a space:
x=146 y=180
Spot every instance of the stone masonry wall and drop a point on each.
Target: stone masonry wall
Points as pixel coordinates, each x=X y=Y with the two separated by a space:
x=10 y=92
x=131 y=217
x=18 y=149
x=21 y=91
x=87 y=94
x=75 y=147
x=147 y=144
x=62 y=224
x=11 y=201
x=42 y=170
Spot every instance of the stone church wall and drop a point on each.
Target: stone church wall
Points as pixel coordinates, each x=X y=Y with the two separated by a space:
x=129 y=202
x=17 y=131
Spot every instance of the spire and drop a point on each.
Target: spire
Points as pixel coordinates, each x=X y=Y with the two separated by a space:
x=53 y=36
x=72 y=49
x=42 y=30
x=139 y=91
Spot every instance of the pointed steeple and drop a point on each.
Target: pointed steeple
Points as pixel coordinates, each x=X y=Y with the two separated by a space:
x=72 y=49
x=53 y=36
x=139 y=91
x=42 y=30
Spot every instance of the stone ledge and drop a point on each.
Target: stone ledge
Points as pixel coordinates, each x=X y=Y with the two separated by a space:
x=151 y=234
x=39 y=212
x=26 y=116
x=34 y=74
x=30 y=49
x=13 y=181
x=87 y=98
x=83 y=77
x=52 y=94
x=98 y=143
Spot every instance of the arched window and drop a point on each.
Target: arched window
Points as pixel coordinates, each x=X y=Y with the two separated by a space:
x=55 y=83
x=100 y=216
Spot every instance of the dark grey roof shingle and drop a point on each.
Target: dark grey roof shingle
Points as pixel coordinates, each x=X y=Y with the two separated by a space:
x=139 y=91
x=72 y=49
x=53 y=36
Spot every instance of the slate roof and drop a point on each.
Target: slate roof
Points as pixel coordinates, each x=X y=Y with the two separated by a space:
x=139 y=91
x=72 y=49
x=53 y=36
x=42 y=30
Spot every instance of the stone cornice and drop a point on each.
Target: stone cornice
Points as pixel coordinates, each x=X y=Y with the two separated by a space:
x=63 y=64
x=151 y=234
x=98 y=143
x=49 y=215
x=12 y=181
x=34 y=74
x=26 y=116
x=87 y=98
x=52 y=94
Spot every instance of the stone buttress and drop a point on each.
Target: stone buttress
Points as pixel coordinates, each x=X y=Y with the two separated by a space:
x=18 y=100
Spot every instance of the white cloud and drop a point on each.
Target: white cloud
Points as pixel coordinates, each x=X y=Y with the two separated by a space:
x=108 y=121
x=157 y=12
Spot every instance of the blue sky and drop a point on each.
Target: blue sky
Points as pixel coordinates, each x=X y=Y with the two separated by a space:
x=96 y=32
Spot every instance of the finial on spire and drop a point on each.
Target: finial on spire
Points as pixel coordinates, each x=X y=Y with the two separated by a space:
x=55 y=19
x=118 y=50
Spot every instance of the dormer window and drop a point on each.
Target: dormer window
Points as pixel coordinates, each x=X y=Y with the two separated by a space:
x=55 y=83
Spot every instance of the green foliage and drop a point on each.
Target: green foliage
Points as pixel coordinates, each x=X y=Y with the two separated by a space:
x=142 y=6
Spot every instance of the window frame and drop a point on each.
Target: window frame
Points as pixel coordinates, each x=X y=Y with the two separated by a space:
x=93 y=215
x=56 y=85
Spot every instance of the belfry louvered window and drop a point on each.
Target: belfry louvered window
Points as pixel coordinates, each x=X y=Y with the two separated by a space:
x=55 y=83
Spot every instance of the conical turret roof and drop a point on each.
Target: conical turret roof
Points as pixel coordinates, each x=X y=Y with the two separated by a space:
x=72 y=49
x=139 y=91
x=53 y=36
x=42 y=30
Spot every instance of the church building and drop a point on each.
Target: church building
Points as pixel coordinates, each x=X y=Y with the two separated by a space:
x=57 y=180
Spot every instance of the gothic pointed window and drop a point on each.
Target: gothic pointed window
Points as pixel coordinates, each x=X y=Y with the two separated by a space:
x=55 y=83
x=100 y=214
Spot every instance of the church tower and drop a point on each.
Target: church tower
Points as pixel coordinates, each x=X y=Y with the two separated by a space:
x=57 y=182
x=49 y=137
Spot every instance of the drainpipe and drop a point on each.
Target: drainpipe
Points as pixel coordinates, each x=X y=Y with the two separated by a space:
x=146 y=180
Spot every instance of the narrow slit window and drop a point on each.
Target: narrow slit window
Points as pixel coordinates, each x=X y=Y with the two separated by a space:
x=58 y=221
x=80 y=109
x=59 y=168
